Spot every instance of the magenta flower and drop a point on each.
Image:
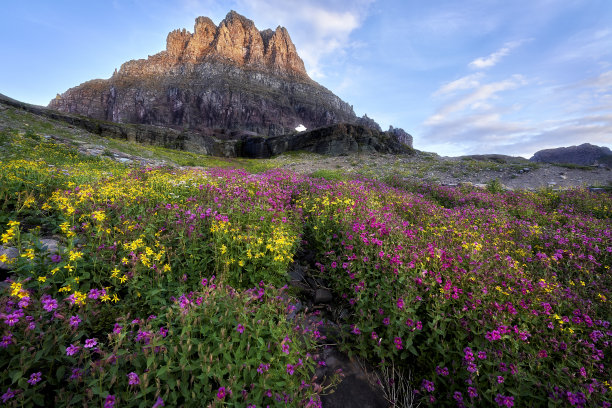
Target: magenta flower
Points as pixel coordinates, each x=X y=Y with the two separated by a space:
x=290 y=369
x=6 y=340
x=163 y=331
x=49 y=304
x=482 y=355
x=386 y=321
x=504 y=401
x=11 y=319
x=24 y=302
x=35 y=378
x=72 y=350
x=133 y=378
x=221 y=393
x=472 y=392
x=117 y=328
x=144 y=336
x=110 y=401
x=76 y=374
x=500 y=379
x=158 y=403
x=443 y=371
x=400 y=303
x=398 y=343
x=263 y=368
x=90 y=343
x=74 y=321
x=285 y=348
x=7 y=395
x=428 y=386
x=458 y=396
x=240 y=328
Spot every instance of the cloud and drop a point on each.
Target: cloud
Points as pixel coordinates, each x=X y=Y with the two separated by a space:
x=478 y=121
x=475 y=100
x=494 y=58
x=601 y=83
x=321 y=30
x=594 y=45
x=463 y=83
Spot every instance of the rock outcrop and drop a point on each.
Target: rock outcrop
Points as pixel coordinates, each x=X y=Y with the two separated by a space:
x=230 y=76
x=339 y=139
x=401 y=135
x=584 y=155
x=333 y=140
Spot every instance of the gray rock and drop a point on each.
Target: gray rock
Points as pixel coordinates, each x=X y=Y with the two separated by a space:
x=11 y=253
x=322 y=296
x=50 y=245
x=356 y=388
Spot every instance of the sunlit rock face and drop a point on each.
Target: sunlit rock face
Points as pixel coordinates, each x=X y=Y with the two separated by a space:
x=229 y=76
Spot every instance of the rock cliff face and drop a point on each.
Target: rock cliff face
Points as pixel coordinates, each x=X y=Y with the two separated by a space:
x=230 y=76
x=585 y=155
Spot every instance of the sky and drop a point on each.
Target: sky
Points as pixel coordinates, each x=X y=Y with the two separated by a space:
x=462 y=77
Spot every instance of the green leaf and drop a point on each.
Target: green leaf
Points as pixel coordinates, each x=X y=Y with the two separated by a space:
x=59 y=374
x=38 y=399
x=15 y=376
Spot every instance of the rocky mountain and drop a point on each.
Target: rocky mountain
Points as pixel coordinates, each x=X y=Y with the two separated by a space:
x=230 y=76
x=584 y=155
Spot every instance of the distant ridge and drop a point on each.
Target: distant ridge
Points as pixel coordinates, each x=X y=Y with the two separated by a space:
x=584 y=155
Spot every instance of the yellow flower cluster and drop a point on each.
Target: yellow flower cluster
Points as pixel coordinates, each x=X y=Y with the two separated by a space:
x=11 y=232
x=18 y=291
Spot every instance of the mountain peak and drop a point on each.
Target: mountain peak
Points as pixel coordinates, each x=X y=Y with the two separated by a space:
x=225 y=76
x=235 y=40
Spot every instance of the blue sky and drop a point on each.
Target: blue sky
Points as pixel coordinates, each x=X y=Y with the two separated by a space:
x=463 y=77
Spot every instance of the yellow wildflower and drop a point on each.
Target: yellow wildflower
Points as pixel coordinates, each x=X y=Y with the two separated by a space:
x=29 y=253
x=75 y=255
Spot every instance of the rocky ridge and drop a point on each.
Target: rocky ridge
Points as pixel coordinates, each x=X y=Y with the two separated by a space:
x=334 y=140
x=230 y=76
x=584 y=155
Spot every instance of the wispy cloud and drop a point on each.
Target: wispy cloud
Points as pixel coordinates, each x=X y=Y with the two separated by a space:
x=320 y=29
x=478 y=120
x=494 y=58
x=467 y=82
x=476 y=100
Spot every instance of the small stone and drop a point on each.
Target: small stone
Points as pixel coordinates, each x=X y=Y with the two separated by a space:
x=322 y=296
x=50 y=245
x=11 y=253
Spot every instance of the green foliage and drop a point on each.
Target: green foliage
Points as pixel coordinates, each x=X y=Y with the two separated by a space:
x=495 y=186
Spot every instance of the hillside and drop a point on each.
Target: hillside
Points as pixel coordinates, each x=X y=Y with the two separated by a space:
x=154 y=146
x=137 y=284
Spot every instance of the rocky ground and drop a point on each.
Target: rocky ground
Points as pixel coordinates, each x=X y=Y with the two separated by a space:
x=512 y=172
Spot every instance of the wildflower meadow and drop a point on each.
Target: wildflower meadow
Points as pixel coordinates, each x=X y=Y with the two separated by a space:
x=169 y=286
